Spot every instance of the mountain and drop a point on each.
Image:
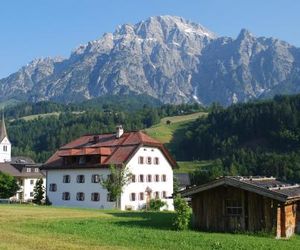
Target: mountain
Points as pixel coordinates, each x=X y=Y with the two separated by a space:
x=165 y=57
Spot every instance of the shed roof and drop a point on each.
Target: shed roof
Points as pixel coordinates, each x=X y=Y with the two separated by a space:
x=265 y=186
x=20 y=170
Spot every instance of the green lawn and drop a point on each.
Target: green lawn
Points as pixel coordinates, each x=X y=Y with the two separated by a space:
x=164 y=133
x=32 y=227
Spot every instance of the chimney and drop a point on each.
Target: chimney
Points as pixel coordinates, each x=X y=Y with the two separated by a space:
x=119 y=132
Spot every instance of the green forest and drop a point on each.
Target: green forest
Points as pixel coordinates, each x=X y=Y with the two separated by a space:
x=39 y=138
x=258 y=138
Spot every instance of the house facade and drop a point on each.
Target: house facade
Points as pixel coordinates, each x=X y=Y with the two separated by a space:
x=74 y=171
x=23 y=169
x=246 y=204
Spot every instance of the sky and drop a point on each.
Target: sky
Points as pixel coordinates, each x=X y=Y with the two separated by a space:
x=32 y=29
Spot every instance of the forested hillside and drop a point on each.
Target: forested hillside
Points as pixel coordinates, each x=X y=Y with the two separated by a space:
x=39 y=138
x=261 y=138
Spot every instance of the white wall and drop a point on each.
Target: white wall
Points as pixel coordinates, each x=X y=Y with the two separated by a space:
x=56 y=176
x=5 y=156
x=28 y=188
x=134 y=167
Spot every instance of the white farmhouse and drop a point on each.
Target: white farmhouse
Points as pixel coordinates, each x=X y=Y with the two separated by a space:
x=74 y=171
x=22 y=168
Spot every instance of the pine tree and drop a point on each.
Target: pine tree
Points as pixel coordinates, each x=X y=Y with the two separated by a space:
x=38 y=190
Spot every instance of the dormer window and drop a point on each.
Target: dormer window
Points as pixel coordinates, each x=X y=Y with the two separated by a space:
x=28 y=170
x=82 y=160
x=36 y=170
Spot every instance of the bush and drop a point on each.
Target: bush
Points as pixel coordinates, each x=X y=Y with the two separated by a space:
x=183 y=214
x=156 y=204
x=48 y=202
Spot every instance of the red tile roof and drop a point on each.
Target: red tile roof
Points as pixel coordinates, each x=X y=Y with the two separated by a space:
x=112 y=150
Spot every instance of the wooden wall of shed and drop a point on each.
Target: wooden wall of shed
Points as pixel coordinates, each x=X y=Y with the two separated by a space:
x=258 y=213
x=287 y=221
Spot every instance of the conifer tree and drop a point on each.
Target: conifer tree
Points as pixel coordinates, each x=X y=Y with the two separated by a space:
x=39 y=191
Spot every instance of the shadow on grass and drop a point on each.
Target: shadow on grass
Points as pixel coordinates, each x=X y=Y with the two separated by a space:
x=155 y=220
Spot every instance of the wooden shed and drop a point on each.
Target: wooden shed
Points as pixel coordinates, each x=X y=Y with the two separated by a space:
x=235 y=203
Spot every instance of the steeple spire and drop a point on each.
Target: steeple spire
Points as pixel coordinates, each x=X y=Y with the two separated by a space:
x=3 y=132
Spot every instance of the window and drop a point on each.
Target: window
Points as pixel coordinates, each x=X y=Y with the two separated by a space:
x=95 y=197
x=66 y=196
x=164 y=194
x=5 y=148
x=164 y=178
x=149 y=178
x=31 y=194
x=36 y=170
x=52 y=187
x=156 y=195
x=132 y=196
x=156 y=160
x=31 y=182
x=66 y=178
x=233 y=207
x=141 y=178
x=28 y=170
x=82 y=160
x=156 y=178
x=141 y=196
x=133 y=178
x=80 y=196
x=80 y=178
x=109 y=198
x=149 y=160
x=141 y=160
x=95 y=178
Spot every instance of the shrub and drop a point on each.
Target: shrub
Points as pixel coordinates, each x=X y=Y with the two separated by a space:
x=183 y=214
x=47 y=201
x=156 y=204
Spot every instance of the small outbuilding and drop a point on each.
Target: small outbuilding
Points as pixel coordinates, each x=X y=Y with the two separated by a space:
x=235 y=203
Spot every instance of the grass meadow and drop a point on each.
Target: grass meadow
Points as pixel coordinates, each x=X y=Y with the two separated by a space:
x=164 y=133
x=34 y=227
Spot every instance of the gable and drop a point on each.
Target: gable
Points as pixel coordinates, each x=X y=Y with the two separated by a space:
x=5 y=141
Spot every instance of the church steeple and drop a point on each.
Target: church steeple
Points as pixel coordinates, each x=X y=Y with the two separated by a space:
x=3 y=132
x=5 y=145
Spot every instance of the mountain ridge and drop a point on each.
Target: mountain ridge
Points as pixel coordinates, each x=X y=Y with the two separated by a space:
x=165 y=57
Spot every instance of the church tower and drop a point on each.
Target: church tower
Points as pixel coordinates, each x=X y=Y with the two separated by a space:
x=5 y=145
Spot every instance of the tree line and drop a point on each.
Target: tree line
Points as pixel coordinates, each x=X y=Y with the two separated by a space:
x=40 y=138
x=257 y=138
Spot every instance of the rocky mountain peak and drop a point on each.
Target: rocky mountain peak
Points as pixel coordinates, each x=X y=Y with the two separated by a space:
x=166 y=57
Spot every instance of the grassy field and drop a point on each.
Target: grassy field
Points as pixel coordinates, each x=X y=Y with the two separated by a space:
x=45 y=115
x=190 y=166
x=32 y=117
x=32 y=227
x=163 y=132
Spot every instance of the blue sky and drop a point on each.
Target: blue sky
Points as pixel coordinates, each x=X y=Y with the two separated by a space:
x=38 y=28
